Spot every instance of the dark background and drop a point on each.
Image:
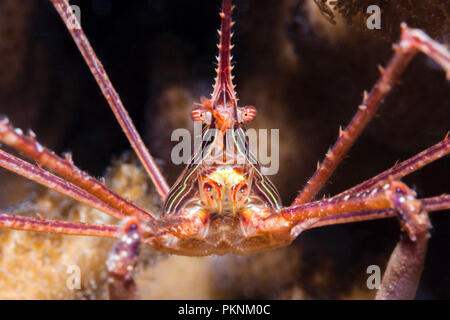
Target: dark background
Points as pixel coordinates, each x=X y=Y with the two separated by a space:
x=160 y=55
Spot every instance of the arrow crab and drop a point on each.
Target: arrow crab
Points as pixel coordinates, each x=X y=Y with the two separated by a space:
x=222 y=203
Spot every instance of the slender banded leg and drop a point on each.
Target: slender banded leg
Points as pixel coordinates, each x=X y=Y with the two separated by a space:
x=66 y=169
x=403 y=271
x=122 y=261
x=53 y=182
x=438 y=203
x=113 y=99
x=412 y=41
x=366 y=201
x=405 y=265
x=400 y=170
x=370 y=204
x=149 y=230
x=8 y=221
x=366 y=205
x=332 y=211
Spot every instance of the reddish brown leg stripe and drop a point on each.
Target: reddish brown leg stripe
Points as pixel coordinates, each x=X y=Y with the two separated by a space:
x=370 y=200
x=111 y=95
x=53 y=226
x=411 y=42
x=400 y=170
x=65 y=168
x=53 y=182
x=405 y=265
x=375 y=203
x=438 y=203
x=122 y=261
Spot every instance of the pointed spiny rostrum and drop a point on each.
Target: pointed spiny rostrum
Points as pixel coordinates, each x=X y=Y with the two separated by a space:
x=224 y=80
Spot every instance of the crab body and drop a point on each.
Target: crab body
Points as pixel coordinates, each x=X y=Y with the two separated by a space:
x=221 y=189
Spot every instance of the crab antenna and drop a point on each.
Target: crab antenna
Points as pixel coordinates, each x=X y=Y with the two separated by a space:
x=224 y=79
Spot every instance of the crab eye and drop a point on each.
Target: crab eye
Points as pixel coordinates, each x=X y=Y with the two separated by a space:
x=198 y=114
x=207 y=187
x=248 y=114
x=239 y=190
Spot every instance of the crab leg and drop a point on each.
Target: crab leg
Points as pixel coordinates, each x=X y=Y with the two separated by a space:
x=404 y=269
x=66 y=169
x=8 y=221
x=53 y=182
x=406 y=167
x=412 y=41
x=398 y=171
x=380 y=202
x=405 y=265
x=111 y=95
x=122 y=261
x=438 y=203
